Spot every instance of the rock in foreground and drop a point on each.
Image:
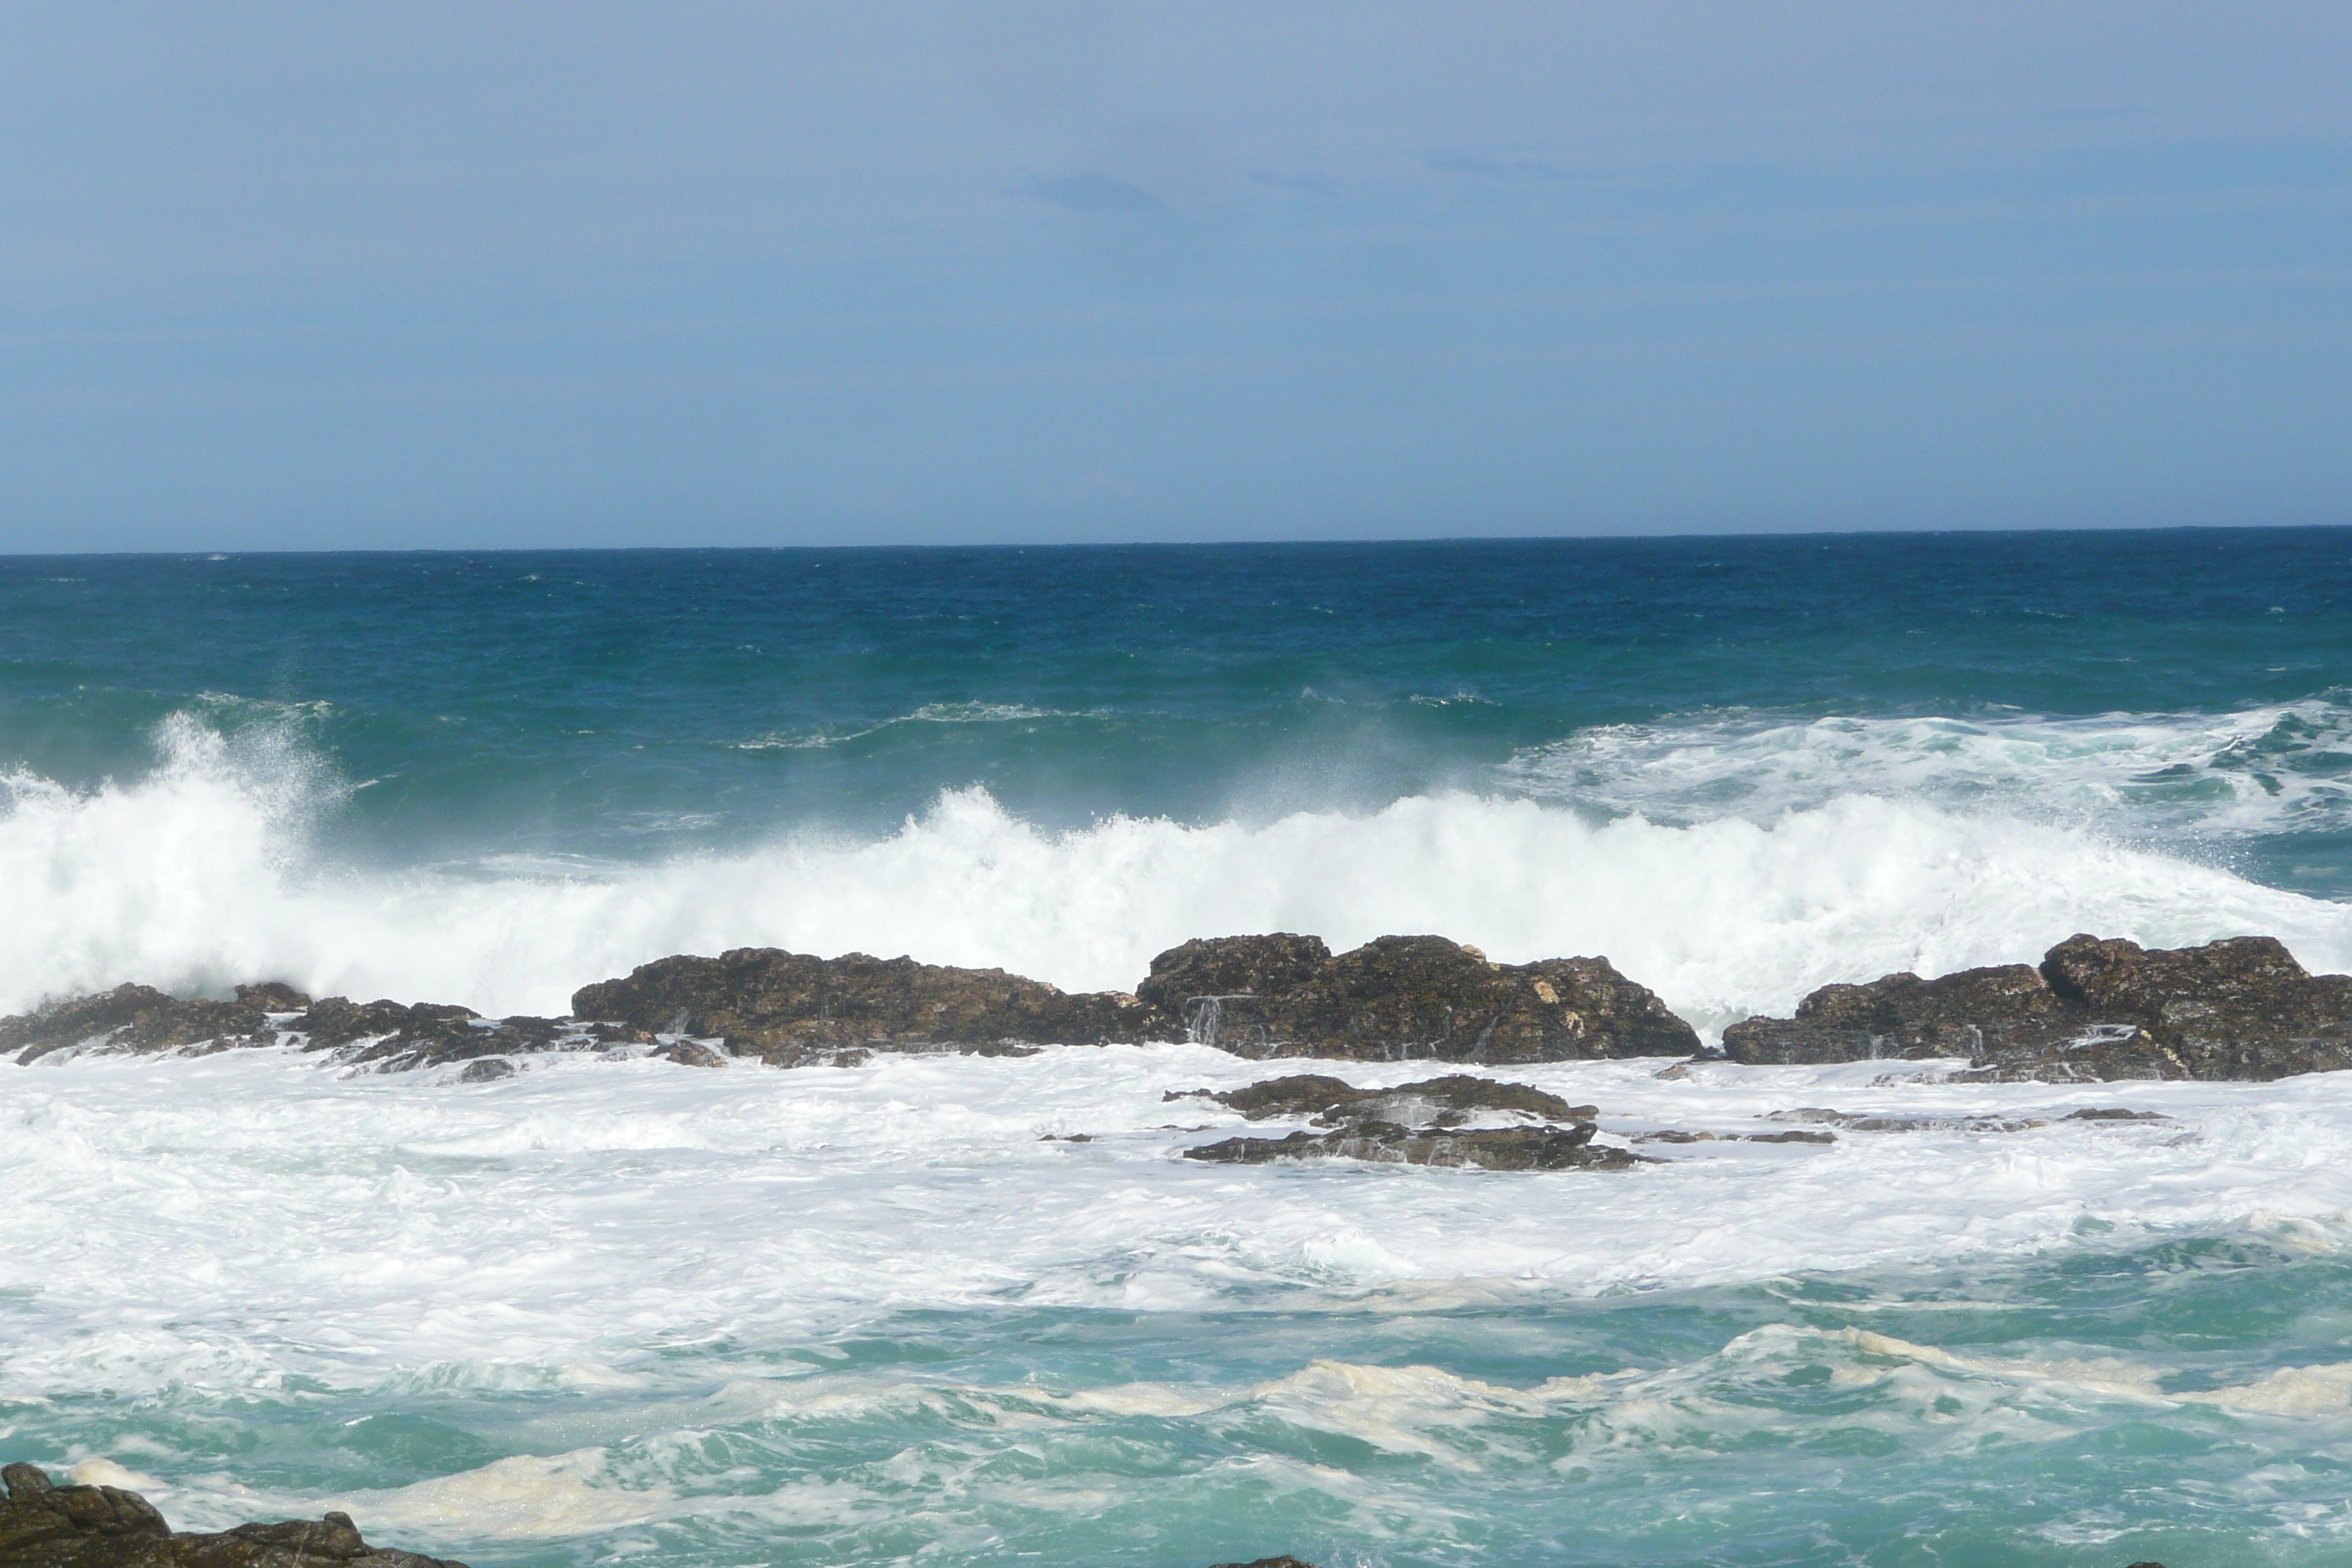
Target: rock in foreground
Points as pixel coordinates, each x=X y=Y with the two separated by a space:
x=2094 y=1010
x=1423 y=1123
x=1444 y=1102
x=1385 y=1143
x=43 y=1525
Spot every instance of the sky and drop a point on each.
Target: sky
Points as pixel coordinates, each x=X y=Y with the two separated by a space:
x=488 y=274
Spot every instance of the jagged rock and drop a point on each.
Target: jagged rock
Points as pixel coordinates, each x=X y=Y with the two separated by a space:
x=43 y=1525
x=1448 y=1101
x=488 y=1069
x=2095 y=1009
x=690 y=1054
x=426 y=1035
x=1287 y=1561
x=1493 y=1149
x=131 y=1018
x=273 y=996
x=1405 y=997
x=787 y=1007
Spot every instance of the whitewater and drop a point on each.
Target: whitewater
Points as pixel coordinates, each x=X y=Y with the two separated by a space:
x=196 y=877
x=972 y=1310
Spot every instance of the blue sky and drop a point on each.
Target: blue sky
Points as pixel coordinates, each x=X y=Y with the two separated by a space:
x=473 y=275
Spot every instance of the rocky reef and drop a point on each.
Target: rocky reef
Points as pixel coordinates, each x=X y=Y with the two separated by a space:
x=388 y=1037
x=43 y=1525
x=2095 y=1009
x=1394 y=999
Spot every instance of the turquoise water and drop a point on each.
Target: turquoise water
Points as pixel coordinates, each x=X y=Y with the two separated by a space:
x=609 y=1312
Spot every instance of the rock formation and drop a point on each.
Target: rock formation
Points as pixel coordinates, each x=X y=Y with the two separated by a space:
x=1405 y=997
x=788 y=1007
x=1491 y=1149
x=1424 y=1124
x=43 y=1525
x=2094 y=1010
x=1450 y=1101
x=380 y=1035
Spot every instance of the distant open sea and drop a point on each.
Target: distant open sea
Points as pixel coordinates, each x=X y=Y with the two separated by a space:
x=625 y=1311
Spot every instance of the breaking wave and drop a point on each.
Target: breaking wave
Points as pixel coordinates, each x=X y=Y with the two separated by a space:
x=215 y=868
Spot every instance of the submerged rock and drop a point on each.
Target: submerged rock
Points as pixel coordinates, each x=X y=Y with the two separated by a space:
x=1491 y=1149
x=1405 y=997
x=43 y=1525
x=1448 y=1101
x=2095 y=1009
x=1677 y=1135
x=788 y=1007
x=1858 y=1121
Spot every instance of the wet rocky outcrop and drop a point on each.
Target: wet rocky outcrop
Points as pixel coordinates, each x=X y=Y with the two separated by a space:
x=790 y=1007
x=1446 y=1102
x=1405 y=997
x=387 y=1037
x=134 y=1018
x=2094 y=1009
x=1547 y=1148
x=43 y=1525
x=1394 y=999
x=1423 y=1123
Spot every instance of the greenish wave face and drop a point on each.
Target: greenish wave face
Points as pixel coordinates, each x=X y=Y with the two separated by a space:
x=2093 y=1407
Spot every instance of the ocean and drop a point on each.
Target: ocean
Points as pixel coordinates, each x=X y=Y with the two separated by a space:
x=610 y=1310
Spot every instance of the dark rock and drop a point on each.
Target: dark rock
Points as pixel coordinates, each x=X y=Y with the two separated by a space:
x=1255 y=966
x=488 y=1069
x=1287 y=1561
x=1405 y=997
x=1677 y=1135
x=1447 y=1101
x=1385 y=1143
x=2095 y=1010
x=1903 y=1015
x=43 y=1525
x=131 y=1018
x=690 y=1054
x=273 y=996
x=2114 y=1113
x=1854 y=1122
x=787 y=1007
x=424 y=1035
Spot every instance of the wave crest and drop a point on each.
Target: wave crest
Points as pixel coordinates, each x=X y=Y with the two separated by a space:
x=204 y=874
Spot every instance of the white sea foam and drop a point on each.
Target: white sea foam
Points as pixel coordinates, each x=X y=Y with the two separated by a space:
x=2178 y=777
x=525 y=1497
x=203 y=874
x=234 y=1222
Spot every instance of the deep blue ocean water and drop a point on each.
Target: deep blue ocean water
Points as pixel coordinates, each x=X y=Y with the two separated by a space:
x=631 y=703
x=597 y=1314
